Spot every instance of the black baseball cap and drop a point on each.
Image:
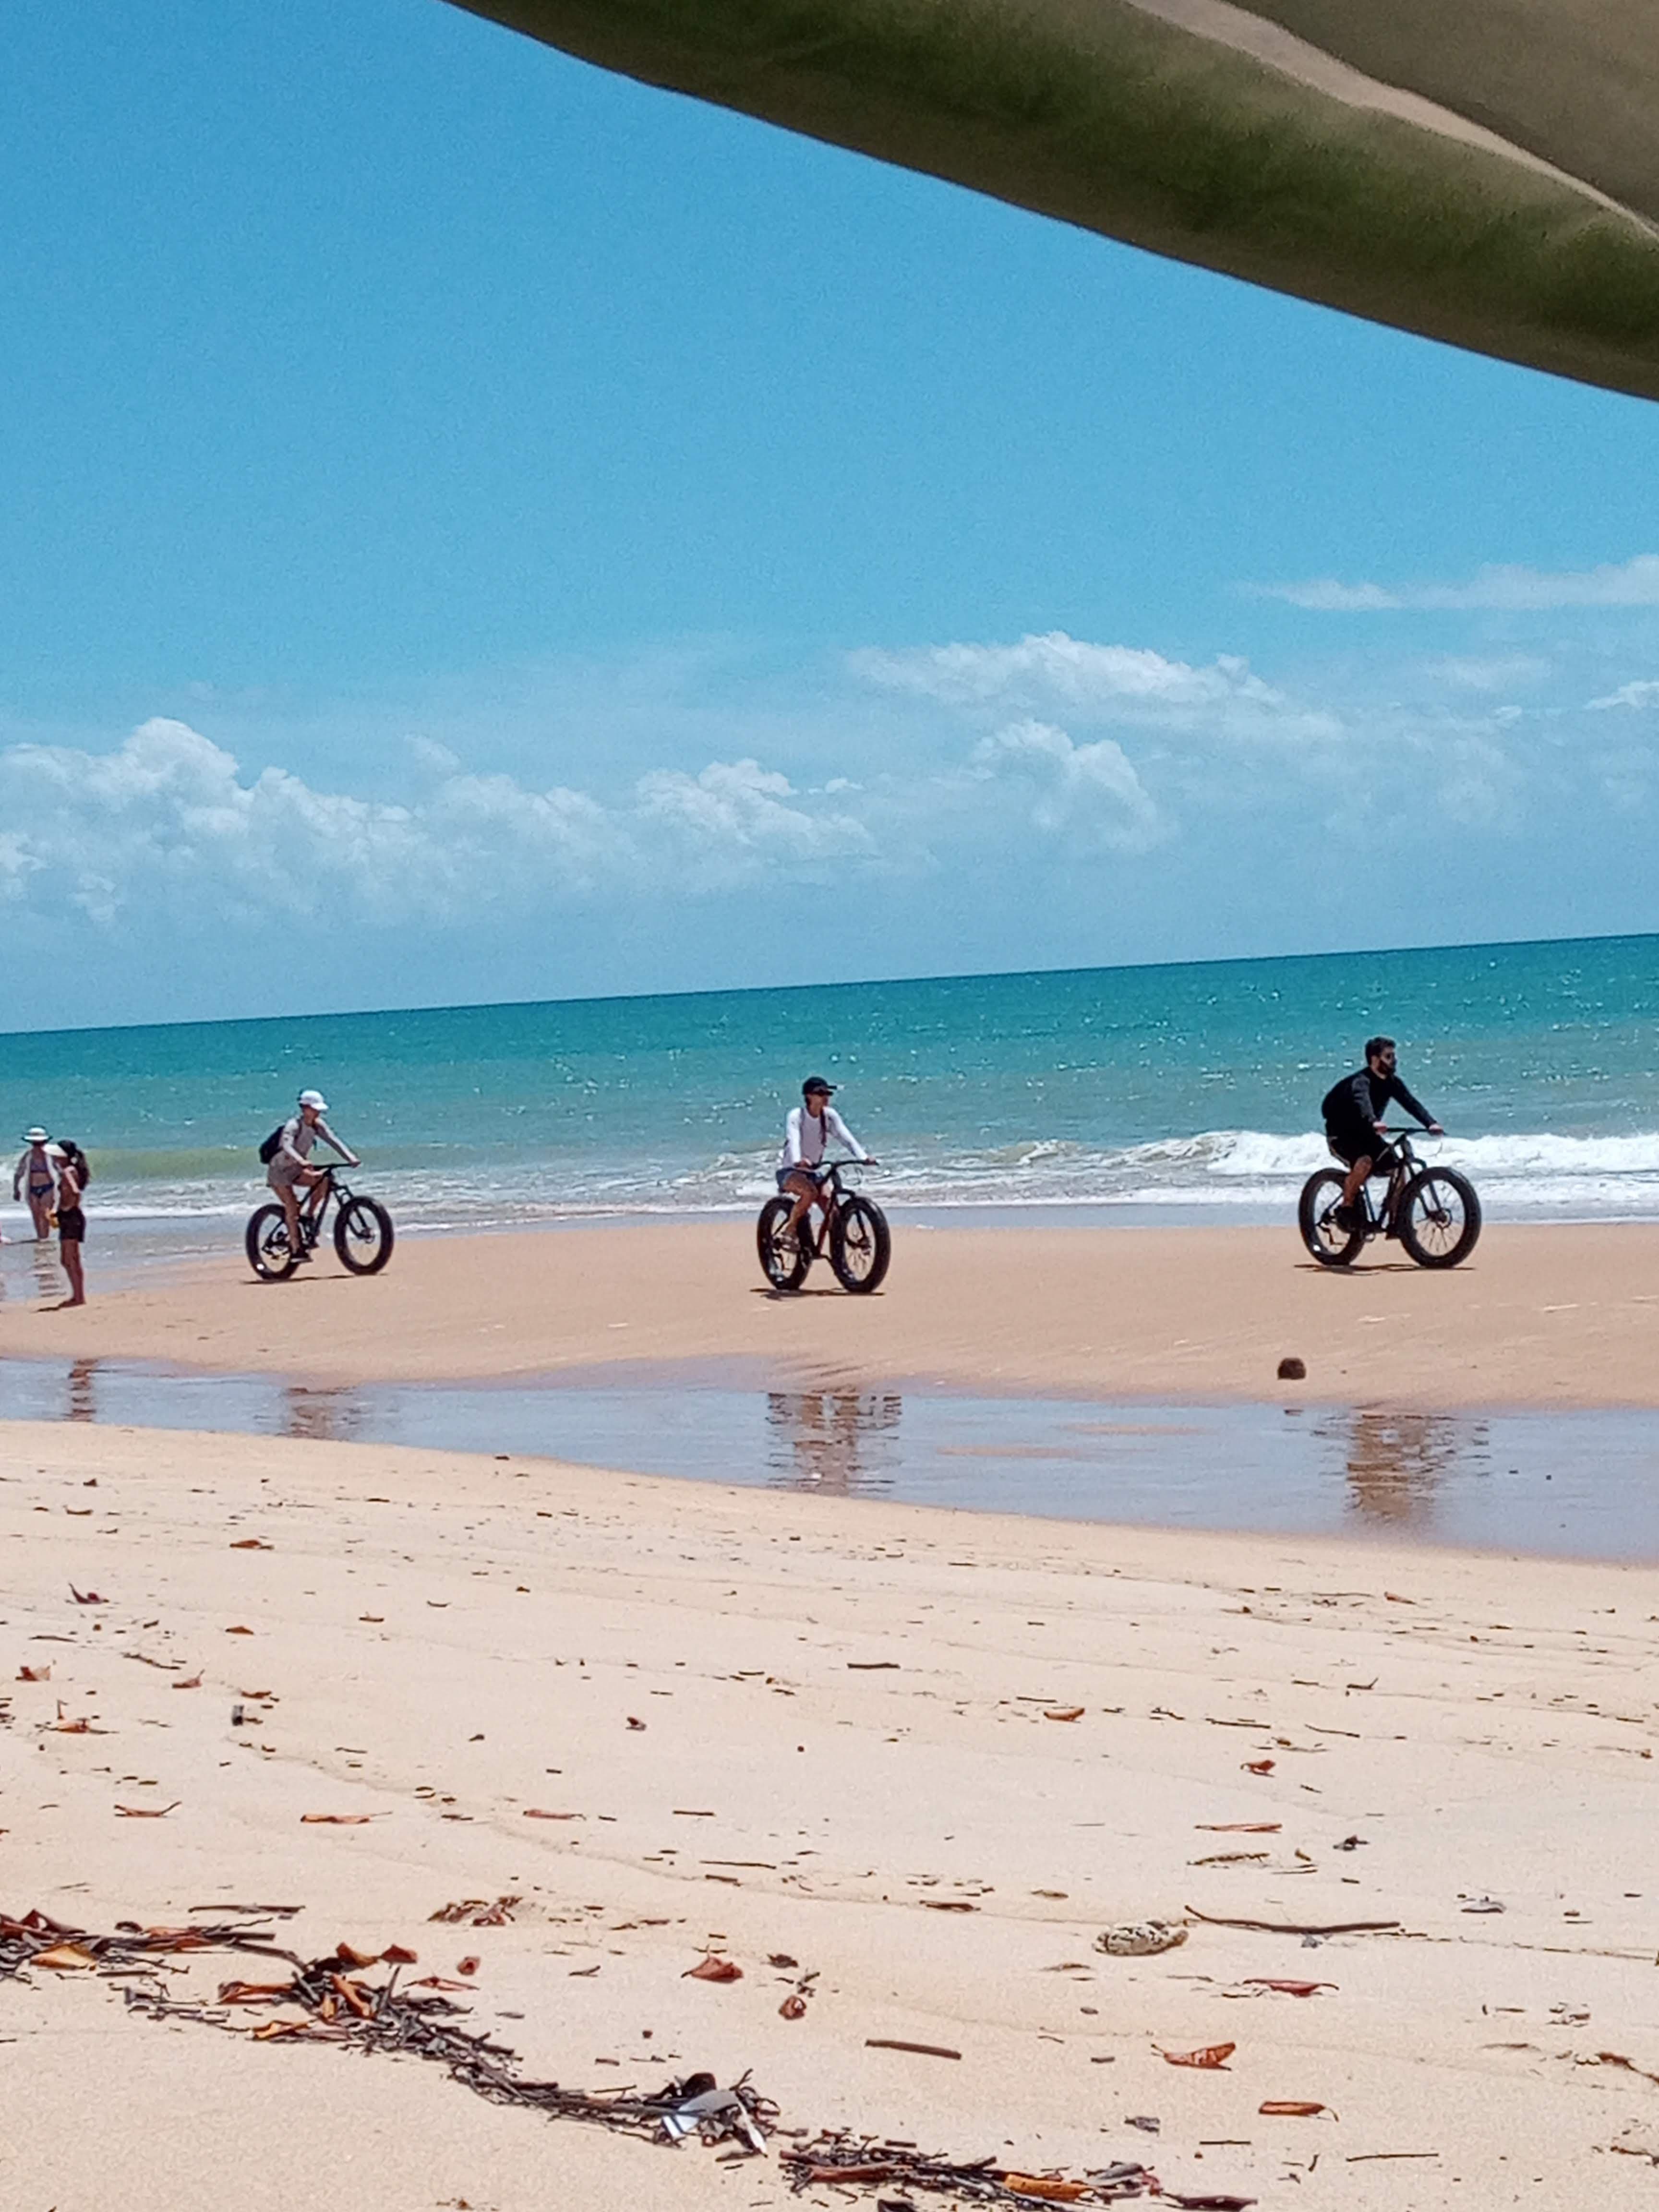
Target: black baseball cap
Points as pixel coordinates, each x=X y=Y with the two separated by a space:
x=816 y=1083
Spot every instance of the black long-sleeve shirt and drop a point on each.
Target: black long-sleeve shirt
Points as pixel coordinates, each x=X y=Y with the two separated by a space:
x=1360 y=1102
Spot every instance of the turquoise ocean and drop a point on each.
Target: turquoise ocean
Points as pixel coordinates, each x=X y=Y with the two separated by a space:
x=1160 y=1093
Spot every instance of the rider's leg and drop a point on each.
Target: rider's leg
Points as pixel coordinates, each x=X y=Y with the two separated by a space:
x=291 y=1209
x=1357 y=1176
x=803 y=1190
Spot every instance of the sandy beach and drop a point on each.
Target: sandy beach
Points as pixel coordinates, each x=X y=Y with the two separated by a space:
x=927 y=1757
x=847 y=1720
x=1540 y=1315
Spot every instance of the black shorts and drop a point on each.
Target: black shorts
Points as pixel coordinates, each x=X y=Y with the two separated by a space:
x=71 y=1225
x=813 y=1175
x=1352 y=1145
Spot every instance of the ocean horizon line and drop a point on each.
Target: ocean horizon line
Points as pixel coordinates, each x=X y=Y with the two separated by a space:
x=796 y=989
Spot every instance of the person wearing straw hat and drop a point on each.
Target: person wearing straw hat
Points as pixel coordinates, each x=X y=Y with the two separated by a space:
x=36 y=1177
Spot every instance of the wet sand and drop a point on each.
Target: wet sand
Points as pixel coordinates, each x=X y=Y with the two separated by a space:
x=1540 y=1315
x=846 y=1722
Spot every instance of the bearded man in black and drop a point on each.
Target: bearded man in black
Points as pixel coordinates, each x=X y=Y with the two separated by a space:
x=1354 y=1111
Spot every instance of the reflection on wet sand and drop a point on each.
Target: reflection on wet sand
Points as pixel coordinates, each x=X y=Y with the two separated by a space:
x=79 y=1398
x=1396 y=1463
x=842 y=1441
x=321 y=1416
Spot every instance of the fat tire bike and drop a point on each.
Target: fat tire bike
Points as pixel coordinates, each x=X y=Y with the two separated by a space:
x=363 y=1235
x=1434 y=1212
x=852 y=1230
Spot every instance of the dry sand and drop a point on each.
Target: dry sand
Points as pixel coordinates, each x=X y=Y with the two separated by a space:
x=1539 y=1316
x=852 y=1699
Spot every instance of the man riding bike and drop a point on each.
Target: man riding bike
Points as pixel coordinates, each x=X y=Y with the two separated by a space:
x=1354 y=1111
x=806 y=1136
x=290 y=1169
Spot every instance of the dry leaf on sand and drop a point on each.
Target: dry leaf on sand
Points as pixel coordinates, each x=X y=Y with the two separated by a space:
x=712 y=1969
x=1209 y=2057
x=335 y=1819
x=147 y=1811
x=1290 y=2108
x=1065 y=1713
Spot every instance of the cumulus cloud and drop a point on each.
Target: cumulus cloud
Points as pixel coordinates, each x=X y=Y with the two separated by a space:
x=1062 y=672
x=168 y=819
x=1633 y=583
x=735 y=813
x=1088 y=794
x=1641 y=694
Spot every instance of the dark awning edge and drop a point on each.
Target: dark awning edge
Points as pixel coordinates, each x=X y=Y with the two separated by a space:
x=1106 y=116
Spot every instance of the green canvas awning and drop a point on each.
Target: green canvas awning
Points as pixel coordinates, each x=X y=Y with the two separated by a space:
x=1485 y=172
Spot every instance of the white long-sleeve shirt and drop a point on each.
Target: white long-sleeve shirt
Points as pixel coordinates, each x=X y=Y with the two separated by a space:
x=806 y=1138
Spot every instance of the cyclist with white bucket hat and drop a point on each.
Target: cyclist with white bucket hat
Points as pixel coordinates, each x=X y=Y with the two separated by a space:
x=287 y=1154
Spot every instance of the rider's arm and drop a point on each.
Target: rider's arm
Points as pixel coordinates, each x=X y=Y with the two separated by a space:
x=328 y=1138
x=287 y=1150
x=1364 y=1109
x=793 y=1155
x=835 y=1127
x=1413 y=1106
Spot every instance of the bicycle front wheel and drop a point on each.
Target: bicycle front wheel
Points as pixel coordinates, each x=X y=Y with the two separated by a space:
x=1439 y=1217
x=269 y=1253
x=860 y=1245
x=785 y=1256
x=363 y=1235
x=1331 y=1244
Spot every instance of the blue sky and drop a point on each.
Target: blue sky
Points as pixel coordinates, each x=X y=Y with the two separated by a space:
x=472 y=527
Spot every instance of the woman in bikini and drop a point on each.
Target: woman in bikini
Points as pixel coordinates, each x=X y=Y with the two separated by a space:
x=36 y=1169
x=73 y=1176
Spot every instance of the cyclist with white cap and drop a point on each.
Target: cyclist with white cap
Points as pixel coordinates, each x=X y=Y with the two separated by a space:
x=808 y=1132
x=290 y=1169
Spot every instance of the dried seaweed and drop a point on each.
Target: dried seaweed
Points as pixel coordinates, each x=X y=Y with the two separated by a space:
x=330 y=2000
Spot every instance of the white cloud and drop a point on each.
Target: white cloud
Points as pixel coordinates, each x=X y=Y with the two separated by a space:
x=736 y=814
x=166 y=819
x=1633 y=583
x=1089 y=794
x=1064 y=672
x=1512 y=671
x=1640 y=694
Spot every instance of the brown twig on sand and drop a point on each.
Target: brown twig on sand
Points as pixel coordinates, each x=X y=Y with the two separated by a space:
x=1298 y=1927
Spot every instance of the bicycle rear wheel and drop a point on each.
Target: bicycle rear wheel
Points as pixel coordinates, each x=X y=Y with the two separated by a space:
x=1439 y=1217
x=784 y=1255
x=269 y=1253
x=363 y=1235
x=1331 y=1245
x=860 y=1245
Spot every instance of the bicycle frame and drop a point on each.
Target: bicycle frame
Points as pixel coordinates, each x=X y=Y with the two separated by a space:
x=1406 y=1165
x=831 y=1193
x=315 y=1205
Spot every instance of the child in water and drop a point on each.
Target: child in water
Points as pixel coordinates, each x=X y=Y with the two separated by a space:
x=73 y=1176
